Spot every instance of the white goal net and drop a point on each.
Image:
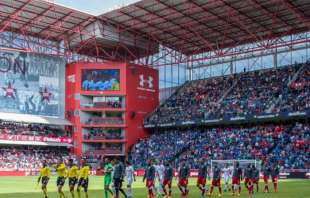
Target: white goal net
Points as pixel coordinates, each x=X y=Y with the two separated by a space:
x=230 y=163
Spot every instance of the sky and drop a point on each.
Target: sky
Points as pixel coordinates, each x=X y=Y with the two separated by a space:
x=94 y=7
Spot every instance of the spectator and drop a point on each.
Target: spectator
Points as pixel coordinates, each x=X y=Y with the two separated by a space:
x=288 y=144
x=249 y=93
x=29 y=158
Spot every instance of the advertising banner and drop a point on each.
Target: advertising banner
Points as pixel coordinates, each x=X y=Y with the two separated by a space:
x=232 y=120
x=35 y=138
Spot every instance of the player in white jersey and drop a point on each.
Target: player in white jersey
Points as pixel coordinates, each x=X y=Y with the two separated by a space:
x=130 y=177
x=160 y=170
x=227 y=175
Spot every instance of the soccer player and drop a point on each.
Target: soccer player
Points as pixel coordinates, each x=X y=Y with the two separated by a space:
x=149 y=175
x=160 y=169
x=73 y=173
x=112 y=175
x=227 y=173
x=108 y=168
x=45 y=174
x=168 y=175
x=122 y=179
x=255 y=176
x=216 y=181
x=130 y=176
x=275 y=171
x=248 y=179
x=183 y=178
x=266 y=172
x=236 y=179
x=202 y=176
x=118 y=177
x=60 y=168
x=83 y=179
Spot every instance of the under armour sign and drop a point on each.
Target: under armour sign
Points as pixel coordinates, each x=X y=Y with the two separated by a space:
x=146 y=84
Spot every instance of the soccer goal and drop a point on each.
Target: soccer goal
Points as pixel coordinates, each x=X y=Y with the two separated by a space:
x=230 y=163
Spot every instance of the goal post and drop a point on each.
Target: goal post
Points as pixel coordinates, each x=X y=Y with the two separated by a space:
x=230 y=163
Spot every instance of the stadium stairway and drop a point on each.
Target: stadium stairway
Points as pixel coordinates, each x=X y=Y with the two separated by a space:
x=228 y=91
x=293 y=79
x=180 y=153
x=296 y=75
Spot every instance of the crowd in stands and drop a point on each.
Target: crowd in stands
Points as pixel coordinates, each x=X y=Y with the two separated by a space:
x=100 y=134
x=287 y=144
x=163 y=146
x=103 y=105
x=250 y=93
x=105 y=120
x=255 y=92
x=296 y=97
x=15 y=128
x=27 y=158
x=198 y=95
x=108 y=105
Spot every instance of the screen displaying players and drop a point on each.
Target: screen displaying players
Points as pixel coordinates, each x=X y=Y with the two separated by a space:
x=31 y=83
x=100 y=80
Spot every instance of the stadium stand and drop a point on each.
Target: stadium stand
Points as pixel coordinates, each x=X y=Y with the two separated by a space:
x=100 y=134
x=29 y=158
x=269 y=91
x=103 y=105
x=250 y=93
x=15 y=128
x=296 y=96
x=106 y=120
x=286 y=143
x=255 y=92
x=206 y=94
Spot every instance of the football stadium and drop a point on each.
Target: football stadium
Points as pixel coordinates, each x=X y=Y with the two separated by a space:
x=155 y=99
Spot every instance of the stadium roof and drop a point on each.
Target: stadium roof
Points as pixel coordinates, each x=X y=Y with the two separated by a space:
x=41 y=19
x=187 y=26
x=36 y=119
x=195 y=26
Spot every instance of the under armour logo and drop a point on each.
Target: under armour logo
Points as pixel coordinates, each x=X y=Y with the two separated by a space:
x=149 y=81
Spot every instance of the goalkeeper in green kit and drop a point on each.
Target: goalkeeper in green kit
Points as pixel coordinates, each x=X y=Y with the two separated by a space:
x=108 y=168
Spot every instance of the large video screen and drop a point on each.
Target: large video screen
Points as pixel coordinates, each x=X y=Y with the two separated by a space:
x=100 y=80
x=31 y=83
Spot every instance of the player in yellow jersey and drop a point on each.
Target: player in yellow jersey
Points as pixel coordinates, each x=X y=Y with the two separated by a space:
x=73 y=173
x=45 y=174
x=61 y=170
x=83 y=181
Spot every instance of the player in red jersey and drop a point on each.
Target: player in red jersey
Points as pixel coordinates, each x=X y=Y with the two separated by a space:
x=202 y=176
x=255 y=177
x=168 y=175
x=266 y=172
x=275 y=171
x=216 y=180
x=149 y=175
x=236 y=179
x=183 y=178
x=248 y=179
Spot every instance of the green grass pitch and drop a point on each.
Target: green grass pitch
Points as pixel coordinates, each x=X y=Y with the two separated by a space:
x=24 y=187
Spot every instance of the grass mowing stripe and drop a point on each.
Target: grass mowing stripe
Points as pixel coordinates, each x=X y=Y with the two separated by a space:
x=23 y=187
